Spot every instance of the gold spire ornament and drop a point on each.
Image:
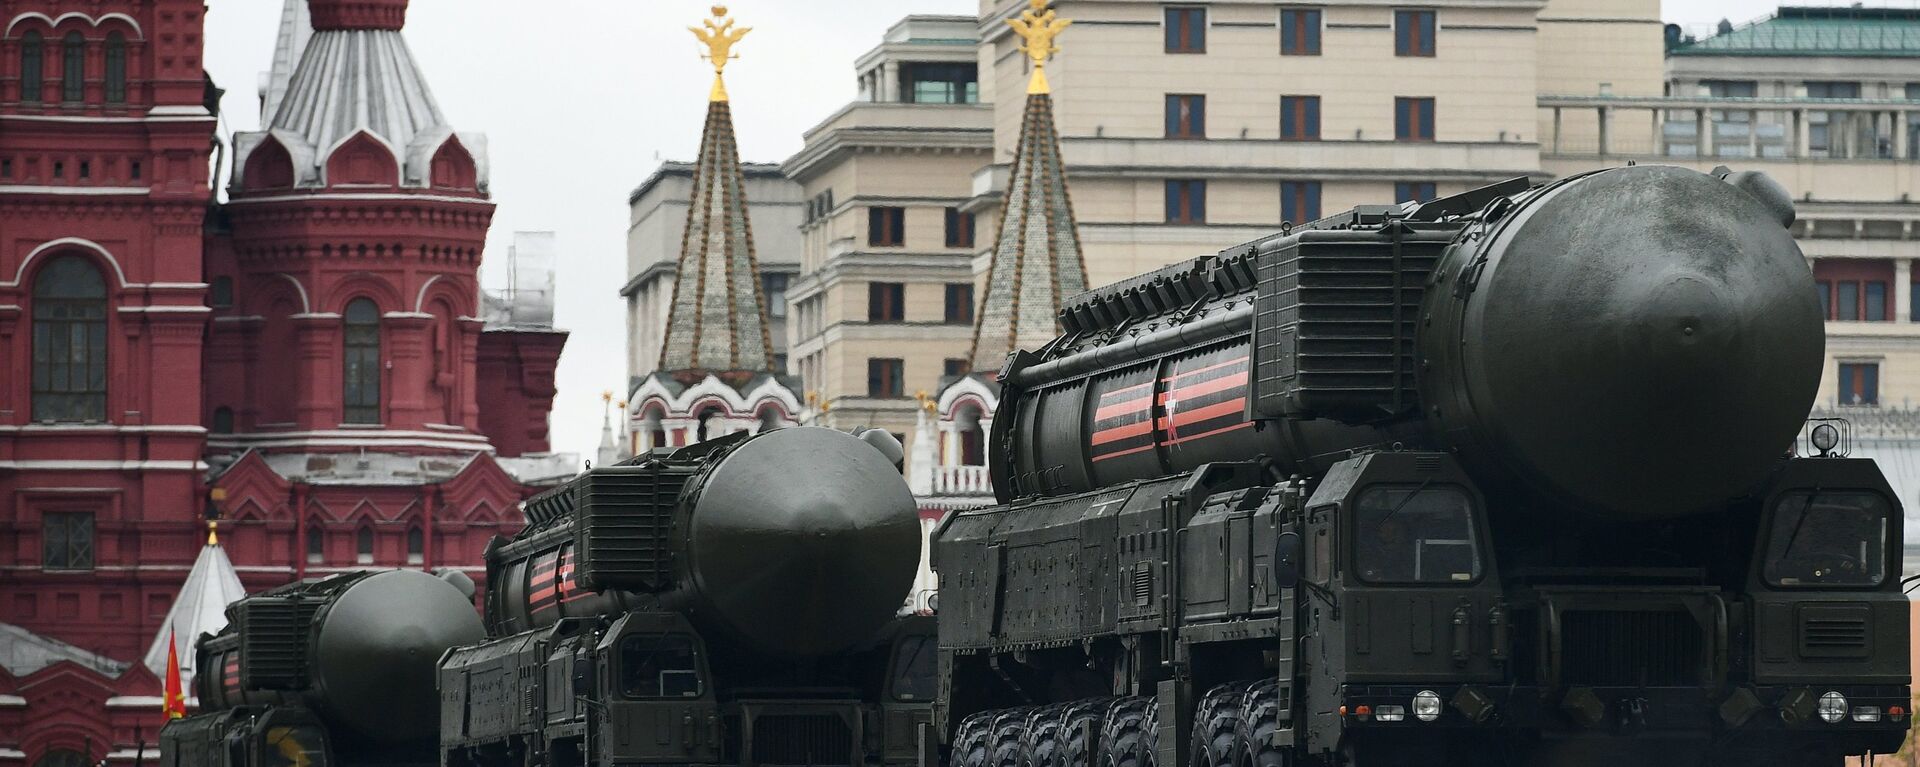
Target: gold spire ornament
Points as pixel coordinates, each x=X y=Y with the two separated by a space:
x=719 y=39
x=1038 y=26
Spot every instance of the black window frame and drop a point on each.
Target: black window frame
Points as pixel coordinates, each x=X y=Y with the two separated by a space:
x=1475 y=540
x=959 y=303
x=116 y=74
x=773 y=290
x=1186 y=116
x=1415 y=32
x=1797 y=534
x=73 y=534
x=884 y=377
x=71 y=354
x=1299 y=117
x=886 y=226
x=1413 y=119
x=360 y=363
x=1300 y=30
x=886 y=302
x=960 y=228
x=1300 y=201
x=33 y=68
x=954 y=367
x=692 y=666
x=1186 y=29
x=1186 y=201
x=1866 y=374
x=73 y=68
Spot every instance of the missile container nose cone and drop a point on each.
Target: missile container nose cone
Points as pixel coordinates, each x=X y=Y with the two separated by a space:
x=1642 y=343
x=376 y=650
x=803 y=542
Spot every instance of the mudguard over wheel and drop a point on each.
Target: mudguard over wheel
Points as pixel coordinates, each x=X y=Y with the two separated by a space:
x=1131 y=733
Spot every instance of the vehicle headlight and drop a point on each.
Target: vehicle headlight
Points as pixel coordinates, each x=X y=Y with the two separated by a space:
x=1389 y=713
x=1426 y=705
x=1866 y=713
x=1832 y=708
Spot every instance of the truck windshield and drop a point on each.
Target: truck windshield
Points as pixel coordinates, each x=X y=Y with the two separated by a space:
x=1415 y=534
x=1826 y=539
x=914 y=676
x=659 y=666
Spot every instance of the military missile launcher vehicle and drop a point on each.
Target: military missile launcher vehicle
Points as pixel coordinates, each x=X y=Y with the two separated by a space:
x=1519 y=476
x=333 y=672
x=727 y=603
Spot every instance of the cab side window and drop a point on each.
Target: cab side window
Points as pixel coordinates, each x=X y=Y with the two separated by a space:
x=659 y=666
x=915 y=669
x=1415 y=534
x=1828 y=538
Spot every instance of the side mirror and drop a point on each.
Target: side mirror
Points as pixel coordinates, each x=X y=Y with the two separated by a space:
x=1286 y=560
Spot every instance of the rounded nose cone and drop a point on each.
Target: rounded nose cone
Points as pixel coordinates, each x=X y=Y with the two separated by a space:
x=377 y=648
x=1648 y=342
x=803 y=541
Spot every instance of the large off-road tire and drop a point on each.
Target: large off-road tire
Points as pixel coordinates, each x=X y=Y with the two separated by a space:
x=1259 y=719
x=1130 y=735
x=970 y=745
x=1214 y=722
x=1042 y=746
x=1078 y=740
x=1007 y=740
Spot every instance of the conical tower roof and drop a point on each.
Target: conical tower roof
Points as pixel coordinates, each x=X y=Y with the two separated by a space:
x=717 y=320
x=201 y=608
x=1037 y=263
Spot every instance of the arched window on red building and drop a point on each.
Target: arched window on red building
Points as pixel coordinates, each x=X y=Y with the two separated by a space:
x=33 y=67
x=116 y=68
x=73 y=68
x=69 y=342
x=362 y=363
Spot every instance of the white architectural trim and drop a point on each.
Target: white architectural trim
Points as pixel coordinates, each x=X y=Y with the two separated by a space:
x=306 y=304
x=138 y=33
x=84 y=244
x=74 y=191
x=104 y=465
x=164 y=309
x=135 y=701
x=11 y=701
x=361 y=196
x=738 y=404
x=420 y=301
x=967 y=385
x=102 y=428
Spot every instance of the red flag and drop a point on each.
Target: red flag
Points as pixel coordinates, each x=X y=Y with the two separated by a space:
x=176 y=701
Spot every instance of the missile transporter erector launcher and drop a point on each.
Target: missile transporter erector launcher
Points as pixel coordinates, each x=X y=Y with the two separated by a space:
x=1503 y=478
x=330 y=672
x=728 y=603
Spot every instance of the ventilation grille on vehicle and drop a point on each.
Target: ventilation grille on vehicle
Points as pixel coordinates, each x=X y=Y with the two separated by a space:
x=623 y=517
x=1835 y=631
x=273 y=641
x=1631 y=648
x=802 y=739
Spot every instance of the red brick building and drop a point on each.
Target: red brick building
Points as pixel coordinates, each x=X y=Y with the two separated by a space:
x=313 y=361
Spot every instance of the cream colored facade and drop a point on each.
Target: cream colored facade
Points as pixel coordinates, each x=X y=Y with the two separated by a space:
x=909 y=146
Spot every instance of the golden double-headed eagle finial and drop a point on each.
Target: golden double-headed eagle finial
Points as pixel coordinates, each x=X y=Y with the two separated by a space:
x=719 y=38
x=1038 y=26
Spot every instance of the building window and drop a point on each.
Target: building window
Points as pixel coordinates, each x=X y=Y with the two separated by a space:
x=68 y=541
x=1299 y=201
x=69 y=342
x=316 y=543
x=116 y=68
x=1822 y=138
x=1876 y=303
x=959 y=303
x=1186 y=202
x=1299 y=31
x=222 y=420
x=362 y=362
x=1415 y=191
x=33 y=63
x=932 y=83
x=954 y=367
x=1299 y=118
x=780 y=362
x=1413 y=33
x=133 y=170
x=73 y=68
x=1186 y=30
x=1846 y=301
x=886 y=227
x=1859 y=383
x=886 y=301
x=220 y=293
x=363 y=546
x=774 y=287
x=959 y=229
x=1413 y=119
x=416 y=546
x=883 y=377
x=1186 y=116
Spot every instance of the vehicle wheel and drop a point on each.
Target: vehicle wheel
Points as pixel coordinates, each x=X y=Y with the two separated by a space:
x=1077 y=738
x=1259 y=718
x=1129 y=736
x=1007 y=739
x=1042 y=746
x=970 y=745
x=1214 y=722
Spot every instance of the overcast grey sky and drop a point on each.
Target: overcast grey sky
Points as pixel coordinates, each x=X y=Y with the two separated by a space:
x=581 y=99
